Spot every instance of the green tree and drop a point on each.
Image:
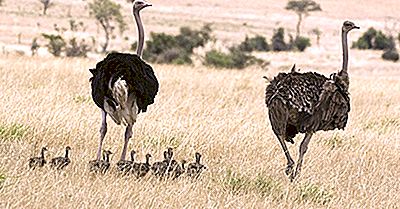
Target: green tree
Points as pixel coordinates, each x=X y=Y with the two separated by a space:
x=46 y=5
x=302 y=8
x=34 y=46
x=317 y=33
x=56 y=44
x=108 y=14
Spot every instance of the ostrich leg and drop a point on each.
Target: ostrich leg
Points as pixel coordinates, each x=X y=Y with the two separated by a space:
x=128 y=135
x=302 y=150
x=290 y=163
x=103 y=131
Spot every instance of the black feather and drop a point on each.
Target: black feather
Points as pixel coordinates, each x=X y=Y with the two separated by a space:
x=138 y=74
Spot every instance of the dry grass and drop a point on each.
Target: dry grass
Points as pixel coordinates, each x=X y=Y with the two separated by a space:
x=220 y=113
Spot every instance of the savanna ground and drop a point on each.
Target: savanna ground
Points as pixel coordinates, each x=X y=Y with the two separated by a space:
x=220 y=113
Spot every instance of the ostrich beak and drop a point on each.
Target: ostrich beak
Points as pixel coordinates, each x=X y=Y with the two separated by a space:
x=356 y=27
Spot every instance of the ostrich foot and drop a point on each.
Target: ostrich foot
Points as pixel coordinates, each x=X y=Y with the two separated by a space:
x=289 y=169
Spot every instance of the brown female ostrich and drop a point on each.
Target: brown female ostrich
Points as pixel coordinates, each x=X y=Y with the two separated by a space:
x=123 y=85
x=308 y=102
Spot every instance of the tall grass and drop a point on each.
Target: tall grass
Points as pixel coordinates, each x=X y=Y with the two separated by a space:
x=220 y=114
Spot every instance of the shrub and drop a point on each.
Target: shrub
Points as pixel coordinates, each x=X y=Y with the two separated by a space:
x=174 y=55
x=189 y=39
x=218 y=59
x=72 y=47
x=164 y=48
x=75 y=49
x=398 y=38
x=278 y=40
x=257 y=43
x=302 y=43
x=158 y=43
x=34 y=46
x=236 y=58
x=391 y=55
x=373 y=39
x=383 y=42
x=56 y=44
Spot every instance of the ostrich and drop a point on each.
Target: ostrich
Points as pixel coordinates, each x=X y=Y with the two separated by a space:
x=178 y=170
x=103 y=165
x=144 y=168
x=194 y=169
x=125 y=166
x=38 y=161
x=61 y=162
x=161 y=167
x=123 y=85
x=307 y=103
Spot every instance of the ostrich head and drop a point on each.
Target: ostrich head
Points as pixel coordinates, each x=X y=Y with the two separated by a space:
x=348 y=26
x=148 y=156
x=198 y=156
x=139 y=5
x=68 y=148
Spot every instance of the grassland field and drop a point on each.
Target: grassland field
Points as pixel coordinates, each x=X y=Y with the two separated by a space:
x=220 y=113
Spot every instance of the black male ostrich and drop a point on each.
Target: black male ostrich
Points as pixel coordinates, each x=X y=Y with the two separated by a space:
x=308 y=102
x=123 y=85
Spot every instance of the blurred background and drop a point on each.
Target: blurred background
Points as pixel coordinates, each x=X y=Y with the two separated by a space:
x=227 y=34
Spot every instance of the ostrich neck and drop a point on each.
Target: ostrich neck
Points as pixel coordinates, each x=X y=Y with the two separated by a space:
x=42 y=153
x=66 y=153
x=345 y=51
x=138 y=20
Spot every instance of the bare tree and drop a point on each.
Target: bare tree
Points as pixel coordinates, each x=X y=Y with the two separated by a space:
x=46 y=5
x=108 y=14
x=302 y=9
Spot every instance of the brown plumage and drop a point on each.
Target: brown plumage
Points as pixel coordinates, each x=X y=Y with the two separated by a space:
x=61 y=162
x=178 y=170
x=144 y=168
x=40 y=161
x=125 y=166
x=101 y=166
x=194 y=169
x=160 y=168
x=307 y=103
